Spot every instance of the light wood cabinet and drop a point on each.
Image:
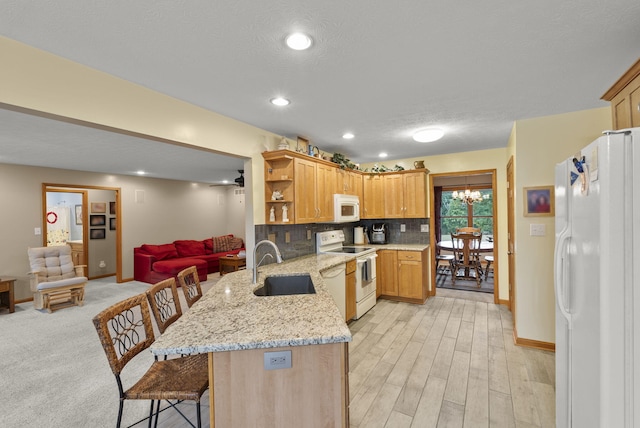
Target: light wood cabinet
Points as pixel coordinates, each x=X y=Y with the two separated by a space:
x=403 y=275
x=307 y=186
x=77 y=252
x=405 y=194
x=387 y=275
x=350 y=282
x=372 y=201
x=278 y=176
x=624 y=96
x=349 y=182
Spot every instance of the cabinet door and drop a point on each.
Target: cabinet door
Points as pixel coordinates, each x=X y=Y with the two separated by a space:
x=410 y=284
x=305 y=191
x=373 y=196
x=394 y=196
x=325 y=186
x=387 y=278
x=355 y=184
x=341 y=181
x=415 y=195
x=350 y=306
x=635 y=105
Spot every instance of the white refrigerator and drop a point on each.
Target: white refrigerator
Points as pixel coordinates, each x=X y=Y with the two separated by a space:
x=597 y=286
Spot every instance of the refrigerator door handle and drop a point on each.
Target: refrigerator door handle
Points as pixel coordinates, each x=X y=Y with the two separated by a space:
x=559 y=257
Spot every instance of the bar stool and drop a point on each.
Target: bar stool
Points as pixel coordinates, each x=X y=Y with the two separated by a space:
x=442 y=269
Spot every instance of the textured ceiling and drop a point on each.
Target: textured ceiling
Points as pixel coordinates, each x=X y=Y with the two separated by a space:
x=381 y=70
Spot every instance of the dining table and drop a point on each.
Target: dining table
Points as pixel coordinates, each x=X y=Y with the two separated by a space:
x=447 y=245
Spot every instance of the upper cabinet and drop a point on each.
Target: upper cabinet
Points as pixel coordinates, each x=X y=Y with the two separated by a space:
x=405 y=194
x=625 y=99
x=304 y=184
x=372 y=201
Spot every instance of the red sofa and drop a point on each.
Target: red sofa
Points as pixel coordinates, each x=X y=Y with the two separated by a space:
x=154 y=263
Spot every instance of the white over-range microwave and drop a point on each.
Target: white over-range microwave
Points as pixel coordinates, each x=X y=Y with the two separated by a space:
x=346 y=208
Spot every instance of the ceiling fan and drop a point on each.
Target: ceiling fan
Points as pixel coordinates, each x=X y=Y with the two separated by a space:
x=237 y=182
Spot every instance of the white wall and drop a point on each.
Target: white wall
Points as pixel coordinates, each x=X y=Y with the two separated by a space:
x=235 y=208
x=538 y=145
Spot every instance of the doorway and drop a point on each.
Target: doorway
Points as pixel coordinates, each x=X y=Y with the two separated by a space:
x=448 y=213
x=88 y=219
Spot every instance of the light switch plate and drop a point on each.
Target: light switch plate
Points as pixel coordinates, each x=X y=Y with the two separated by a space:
x=537 y=230
x=272 y=237
x=403 y=228
x=37 y=231
x=287 y=237
x=424 y=228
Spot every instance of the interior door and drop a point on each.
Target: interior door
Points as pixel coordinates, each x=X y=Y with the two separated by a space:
x=511 y=239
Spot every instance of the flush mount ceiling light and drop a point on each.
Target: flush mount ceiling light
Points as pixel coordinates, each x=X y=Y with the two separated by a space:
x=428 y=135
x=382 y=155
x=279 y=101
x=140 y=172
x=298 y=41
x=348 y=136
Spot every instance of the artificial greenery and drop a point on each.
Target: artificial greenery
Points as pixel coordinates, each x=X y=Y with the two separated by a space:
x=342 y=161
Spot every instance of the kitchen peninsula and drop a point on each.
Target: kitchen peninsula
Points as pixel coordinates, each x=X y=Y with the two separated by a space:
x=241 y=332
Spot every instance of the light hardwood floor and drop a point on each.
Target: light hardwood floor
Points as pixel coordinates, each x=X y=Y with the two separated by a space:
x=448 y=363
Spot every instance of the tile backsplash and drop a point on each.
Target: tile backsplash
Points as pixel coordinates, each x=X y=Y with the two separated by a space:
x=300 y=245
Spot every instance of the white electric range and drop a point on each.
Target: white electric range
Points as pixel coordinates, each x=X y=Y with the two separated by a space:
x=331 y=242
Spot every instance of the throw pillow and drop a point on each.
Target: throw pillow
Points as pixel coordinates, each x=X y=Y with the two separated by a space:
x=222 y=243
x=208 y=246
x=236 y=243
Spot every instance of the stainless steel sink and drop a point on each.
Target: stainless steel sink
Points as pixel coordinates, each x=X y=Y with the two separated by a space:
x=284 y=285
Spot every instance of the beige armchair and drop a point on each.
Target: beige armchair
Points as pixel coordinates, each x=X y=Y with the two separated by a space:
x=56 y=283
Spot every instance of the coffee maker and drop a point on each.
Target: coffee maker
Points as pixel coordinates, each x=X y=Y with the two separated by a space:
x=379 y=233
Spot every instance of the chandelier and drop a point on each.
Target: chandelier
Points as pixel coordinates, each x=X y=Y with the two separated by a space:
x=469 y=197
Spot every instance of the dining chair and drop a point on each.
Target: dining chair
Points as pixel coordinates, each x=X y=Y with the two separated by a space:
x=468 y=230
x=125 y=330
x=489 y=260
x=190 y=284
x=164 y=302
x=466 y=255
x=443 y=269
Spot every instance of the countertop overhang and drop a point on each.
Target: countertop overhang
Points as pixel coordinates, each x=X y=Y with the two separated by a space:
x=229 y=317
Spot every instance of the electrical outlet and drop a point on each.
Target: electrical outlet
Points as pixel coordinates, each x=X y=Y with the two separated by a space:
x=424 y=228
x=403 y=228
x=308 y=234
x=37 y=231
x=272 y=237
x=287 y=237
x=277 y=360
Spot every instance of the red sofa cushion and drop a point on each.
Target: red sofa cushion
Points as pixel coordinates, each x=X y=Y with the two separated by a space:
x=187 y=248
x=172 y=267
x=161 y=252
x=208 y=246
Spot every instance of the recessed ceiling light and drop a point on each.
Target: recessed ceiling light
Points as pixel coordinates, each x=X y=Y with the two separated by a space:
x=348 y=136
x=225 y=181
x=279 y=101
x=298 y=41
x=428 y=135
x=383 y=155
x=141 y=172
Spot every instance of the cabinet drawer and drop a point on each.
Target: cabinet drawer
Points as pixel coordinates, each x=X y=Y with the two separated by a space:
x=4 y=287
x=409 y=255
x=351 y=266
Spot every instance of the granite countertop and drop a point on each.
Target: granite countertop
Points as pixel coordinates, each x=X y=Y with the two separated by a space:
x=230 y=317
x=400 y=247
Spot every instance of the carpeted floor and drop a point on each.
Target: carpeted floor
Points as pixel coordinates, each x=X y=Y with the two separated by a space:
x=53 y=370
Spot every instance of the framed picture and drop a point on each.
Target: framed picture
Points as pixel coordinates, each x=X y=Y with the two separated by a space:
x=97 y=234
x=98 y=207
x=97 y=220
x=112 y=223
x=112 y=208
x=79 y=214
x=538 y=201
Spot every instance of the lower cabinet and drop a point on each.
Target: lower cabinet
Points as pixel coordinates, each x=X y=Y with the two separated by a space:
x=403 y=275
x=350 y=307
